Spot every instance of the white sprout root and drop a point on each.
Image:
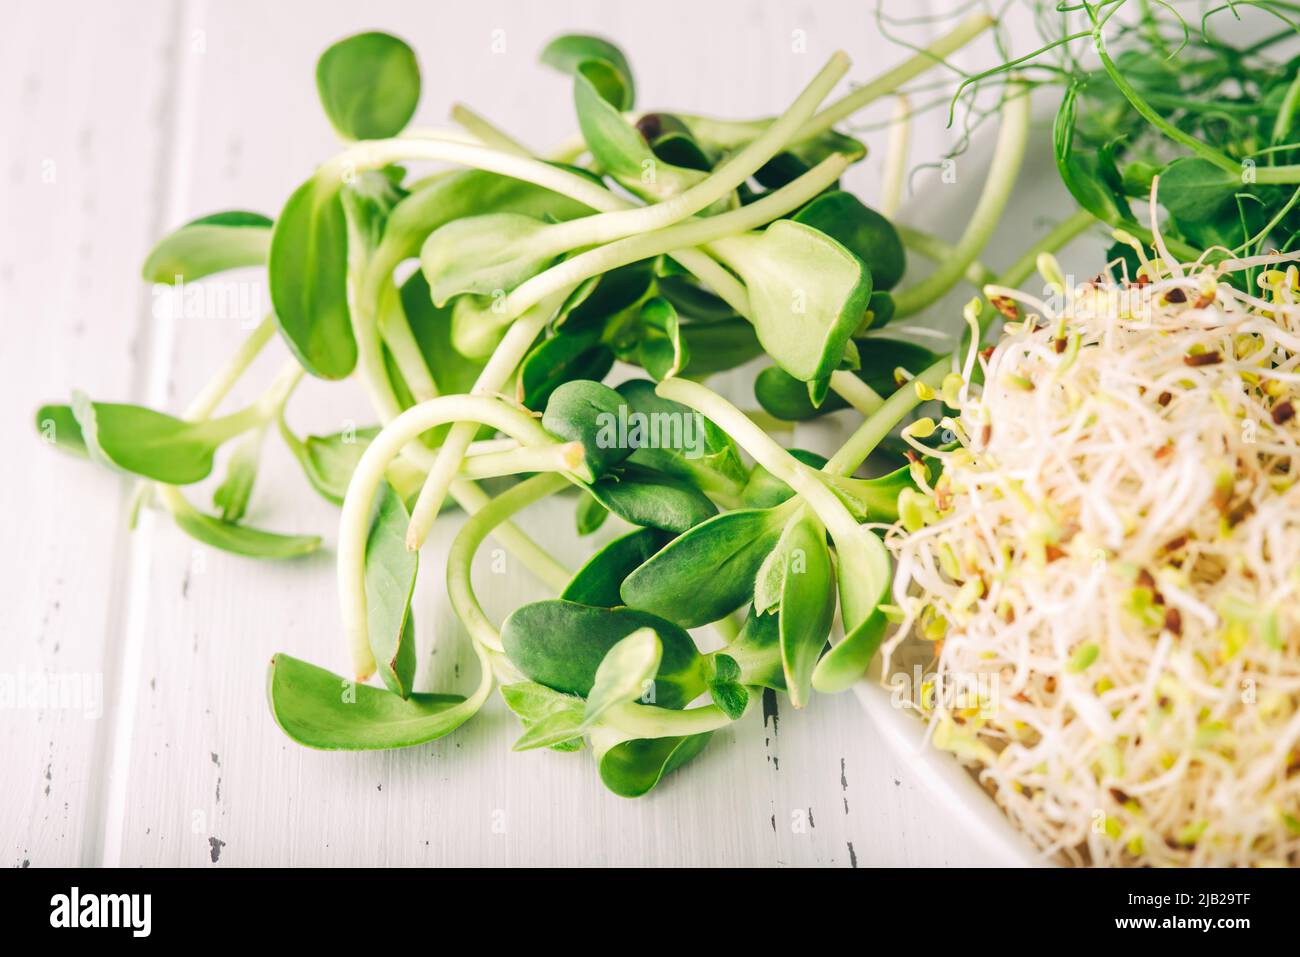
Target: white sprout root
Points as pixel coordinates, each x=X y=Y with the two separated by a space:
x=1109 y=567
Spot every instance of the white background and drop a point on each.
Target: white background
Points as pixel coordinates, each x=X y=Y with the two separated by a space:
x=124 y=120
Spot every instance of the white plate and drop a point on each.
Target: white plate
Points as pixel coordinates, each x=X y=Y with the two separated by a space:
x=1038 y=203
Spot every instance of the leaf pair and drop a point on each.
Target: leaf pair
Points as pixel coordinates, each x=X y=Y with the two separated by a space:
x=586 y=663
x=369 y=85
x=807 y=293
x=174 y=451
x=561 y=644
x=597 y=416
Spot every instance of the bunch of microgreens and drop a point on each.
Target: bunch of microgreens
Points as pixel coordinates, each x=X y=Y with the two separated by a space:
x=1107 y=569
x=680 y=244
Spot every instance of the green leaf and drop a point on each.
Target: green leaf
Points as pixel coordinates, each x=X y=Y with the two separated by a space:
x=328 y=461
x=633 y=768
x=708 y=571
x=598 y=581
x=626 y=674
x=807 y=604
x=319 y=709
x=864 y=580
x=543 y=712
x=718 y=345
x=308 y=278
x=391 y=570
x=561 y=358
x=58 y=427
x=589 y=515
x=587 y=412
x=485 y=255
x=648 y=498
x=757 y=652
x=467 y=193
x=209 y=245
x=677 y=441
x=1081 y=170
x=240 y=539
x=369 y=84
x=144 y=442
x=566 y=53
x=808 y=294
x=619 y=147
x=861 y=230
x=1194 y=190
x=232 y=495
x=663 y=352
x=561 y=644
x=725 y=688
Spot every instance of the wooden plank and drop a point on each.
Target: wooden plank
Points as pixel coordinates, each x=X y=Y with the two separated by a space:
x=85 y=94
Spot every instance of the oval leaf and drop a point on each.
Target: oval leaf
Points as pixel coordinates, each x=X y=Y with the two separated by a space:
x=369 y=84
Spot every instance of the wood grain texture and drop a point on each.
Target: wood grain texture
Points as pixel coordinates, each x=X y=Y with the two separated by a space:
x=176 y=110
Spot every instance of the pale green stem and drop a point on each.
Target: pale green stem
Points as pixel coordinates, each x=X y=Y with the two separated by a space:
x=395 y=330
x=1003 y=171
x=894 y=175
x=505 y=359
x=354 y=523
x=607 y=227
x=888 y=82
x=695 y=232
x=647 y=721
x=766 y=451
x=460 y=558
x=936 y=250
x=855 y=392
x=210 y=396
x=375 y=154
x=485 y=132
x=549 y=458
x=531 y=555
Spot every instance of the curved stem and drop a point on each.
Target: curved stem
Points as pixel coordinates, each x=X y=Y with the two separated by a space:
x=855 y=392
x=375 y=154
x=505 y=359
x=1007 y=155
x=460 y=558
x=486 y=132
x=936 y=250
x=210 y=396
x=766 y=451
x=648 y=721
x=895 y=171
x=607 y=227
x=566 y=457
x=887 y=83
x=354 y=523
x=531 y=555
x=696 y=232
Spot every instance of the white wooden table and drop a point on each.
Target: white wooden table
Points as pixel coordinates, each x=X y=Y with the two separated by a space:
x=124 y=120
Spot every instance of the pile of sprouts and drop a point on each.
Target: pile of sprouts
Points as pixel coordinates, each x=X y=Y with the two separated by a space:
x=1106 y=566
